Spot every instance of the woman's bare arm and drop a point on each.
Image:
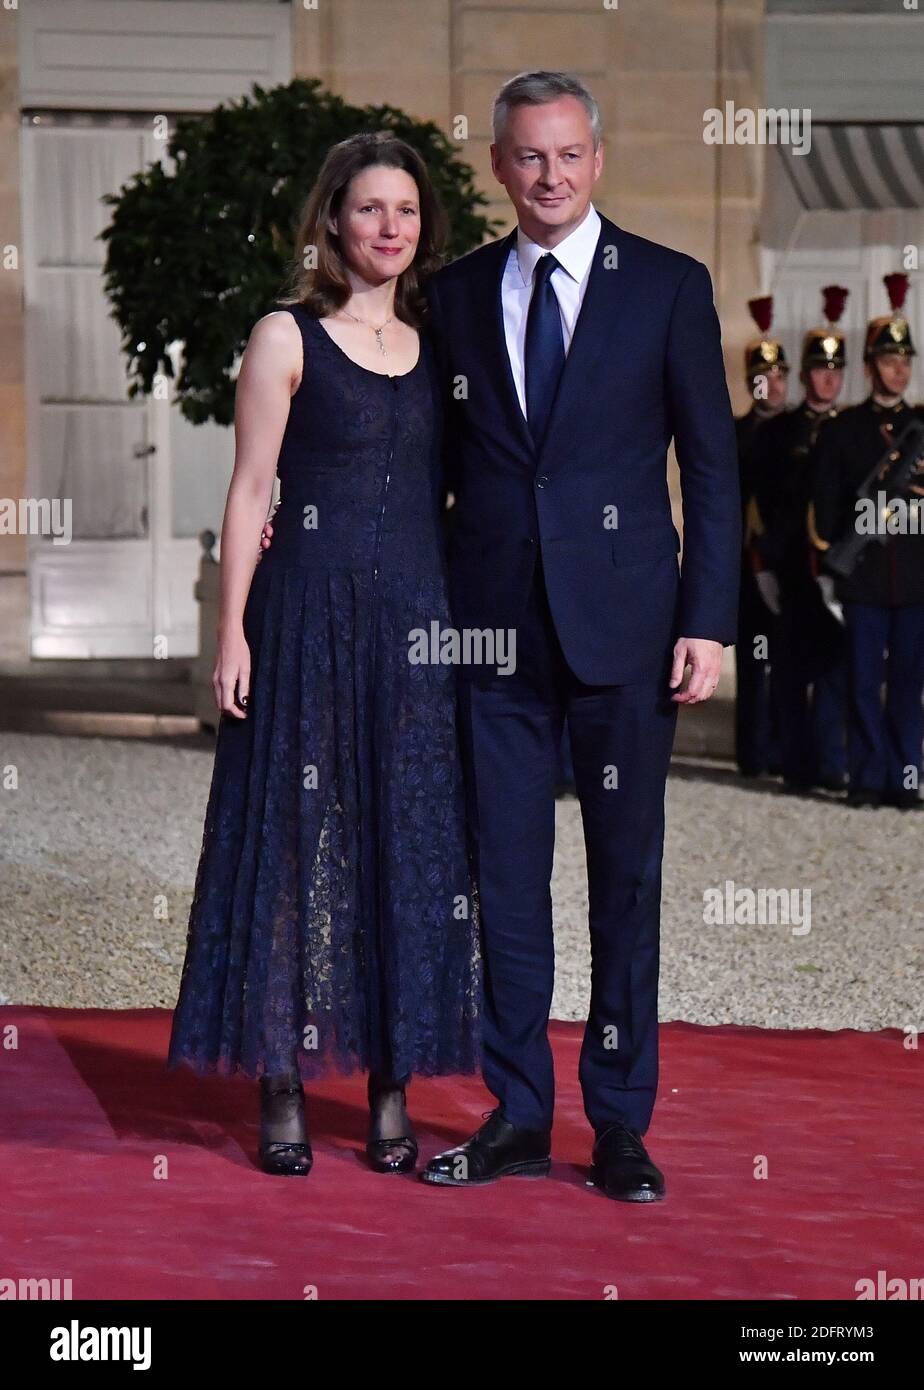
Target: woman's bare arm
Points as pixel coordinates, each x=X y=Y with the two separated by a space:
x=270 y=368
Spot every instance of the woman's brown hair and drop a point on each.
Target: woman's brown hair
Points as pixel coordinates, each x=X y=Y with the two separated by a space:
x=324 y=287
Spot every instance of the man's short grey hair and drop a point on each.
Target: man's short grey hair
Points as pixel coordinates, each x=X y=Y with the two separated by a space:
x=537 y=88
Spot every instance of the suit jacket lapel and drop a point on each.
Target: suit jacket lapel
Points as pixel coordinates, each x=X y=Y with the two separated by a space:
x=498 y=358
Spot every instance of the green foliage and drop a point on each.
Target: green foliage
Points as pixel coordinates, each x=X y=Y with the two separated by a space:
x=199 y=254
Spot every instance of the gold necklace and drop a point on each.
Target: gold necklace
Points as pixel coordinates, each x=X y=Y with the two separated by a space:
x=377 y=331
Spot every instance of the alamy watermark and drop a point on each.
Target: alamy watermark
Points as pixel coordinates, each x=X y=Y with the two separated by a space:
x=760 y=125
x=26 y=1289
x=37 y=516
x=467 y=646
x=731 y=906
x=885 y=516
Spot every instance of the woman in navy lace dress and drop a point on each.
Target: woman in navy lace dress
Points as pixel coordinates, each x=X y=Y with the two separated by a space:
x=332 y=924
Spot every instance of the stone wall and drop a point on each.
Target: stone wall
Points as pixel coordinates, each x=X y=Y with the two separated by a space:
x=12 y=385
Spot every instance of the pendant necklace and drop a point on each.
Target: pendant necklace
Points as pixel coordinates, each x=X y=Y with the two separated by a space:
x=377 y=331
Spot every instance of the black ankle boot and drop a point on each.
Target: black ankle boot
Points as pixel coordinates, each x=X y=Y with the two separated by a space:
x=389 y=1155
x=284 y=1147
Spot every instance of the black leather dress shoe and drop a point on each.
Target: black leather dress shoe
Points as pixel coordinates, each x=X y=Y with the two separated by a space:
x=497 y=1150
x=622 y=1169
x=904 y=800
x=860 y=796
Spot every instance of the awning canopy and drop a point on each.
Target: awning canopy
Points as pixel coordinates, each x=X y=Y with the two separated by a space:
x=858 y=166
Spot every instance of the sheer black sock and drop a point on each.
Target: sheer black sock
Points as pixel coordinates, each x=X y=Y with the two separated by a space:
x=388 y=1119
x=284 y=1143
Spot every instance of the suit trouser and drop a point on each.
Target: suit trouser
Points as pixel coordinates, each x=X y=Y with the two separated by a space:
x=885 y=647
x=809 y=662
x=621 y=739
x=756 y=721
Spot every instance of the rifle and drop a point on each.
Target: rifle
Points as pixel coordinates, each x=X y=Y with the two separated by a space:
x=897 y=466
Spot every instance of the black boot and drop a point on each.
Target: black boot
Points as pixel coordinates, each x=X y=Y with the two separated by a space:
x=284 y=1147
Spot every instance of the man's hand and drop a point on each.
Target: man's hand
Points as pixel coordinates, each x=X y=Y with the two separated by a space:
x=266 y=537
x=704 y=658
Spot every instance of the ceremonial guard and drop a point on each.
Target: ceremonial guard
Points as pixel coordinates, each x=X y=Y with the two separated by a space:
x=807 y=655
x=756 y=737
x=869 y=465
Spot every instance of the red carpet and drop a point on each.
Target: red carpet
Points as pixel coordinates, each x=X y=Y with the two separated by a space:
x=137 y=1183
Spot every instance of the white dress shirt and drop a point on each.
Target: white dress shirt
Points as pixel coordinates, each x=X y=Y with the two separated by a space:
x=575 y=255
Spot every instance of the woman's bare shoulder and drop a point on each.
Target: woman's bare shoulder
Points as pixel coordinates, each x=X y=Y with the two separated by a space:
x=277 y=335
x=278 y=326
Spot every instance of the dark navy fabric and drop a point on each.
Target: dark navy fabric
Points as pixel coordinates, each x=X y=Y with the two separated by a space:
x=620 y=738
x=333 y=920
x=756 y=712
x=885 y=648
x=572 y=545
x=808 y=655
x=544 y=348
x=757 y=724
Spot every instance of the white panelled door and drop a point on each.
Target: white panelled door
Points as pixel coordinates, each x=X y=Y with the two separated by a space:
x=138 y=481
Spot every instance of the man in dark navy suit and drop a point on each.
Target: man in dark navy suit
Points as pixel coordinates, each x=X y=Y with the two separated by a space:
x=808 y=653
x=572 y=353
x=756 y=724
x=883 y=596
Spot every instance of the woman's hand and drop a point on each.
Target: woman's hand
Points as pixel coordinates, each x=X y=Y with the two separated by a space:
x=232 y=672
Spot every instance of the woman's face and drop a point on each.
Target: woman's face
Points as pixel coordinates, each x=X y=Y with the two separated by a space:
x=379 y=223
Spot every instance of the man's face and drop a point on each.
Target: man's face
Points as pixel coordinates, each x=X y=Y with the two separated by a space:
x=769 y=387
x=547 y=163
x=823 y=384
x=894 y=372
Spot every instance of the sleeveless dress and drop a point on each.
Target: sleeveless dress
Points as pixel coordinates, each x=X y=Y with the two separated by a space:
x=333 y=922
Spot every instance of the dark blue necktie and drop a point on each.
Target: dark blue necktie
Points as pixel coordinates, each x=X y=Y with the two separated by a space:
x=545 y=348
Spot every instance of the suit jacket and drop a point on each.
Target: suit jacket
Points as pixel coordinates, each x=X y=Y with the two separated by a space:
x=645 y=364
x=889 y=573
x=782 y=464
x=746 y=430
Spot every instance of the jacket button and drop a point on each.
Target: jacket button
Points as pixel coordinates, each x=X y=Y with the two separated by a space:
x=541 y=480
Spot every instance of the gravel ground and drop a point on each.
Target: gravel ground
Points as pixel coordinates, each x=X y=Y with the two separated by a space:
x=99 y=846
